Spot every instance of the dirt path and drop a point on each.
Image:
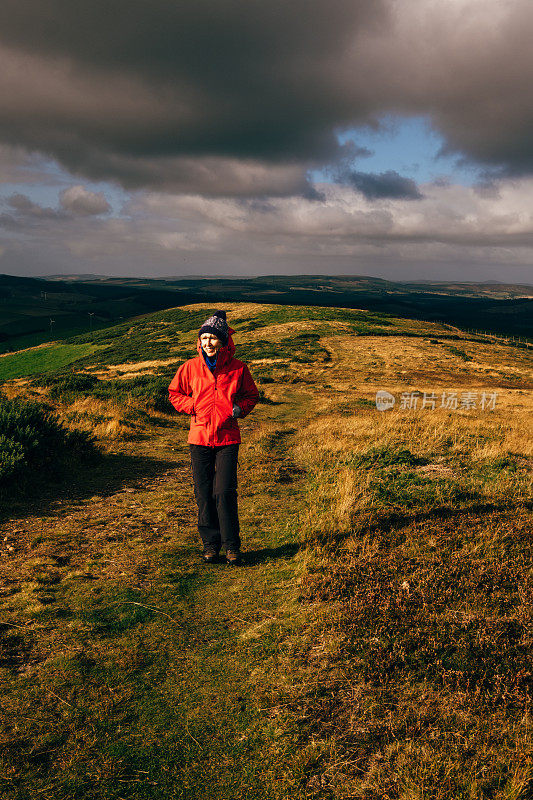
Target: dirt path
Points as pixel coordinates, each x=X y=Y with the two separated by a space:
x=130 y=668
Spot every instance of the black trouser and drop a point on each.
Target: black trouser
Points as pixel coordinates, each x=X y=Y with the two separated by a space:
x=214 y=472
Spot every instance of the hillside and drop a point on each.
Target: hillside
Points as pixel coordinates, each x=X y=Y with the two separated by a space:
x=376 y=642
x=36 y=311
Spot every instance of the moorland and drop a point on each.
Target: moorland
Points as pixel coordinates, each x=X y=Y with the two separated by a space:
x=375 y=643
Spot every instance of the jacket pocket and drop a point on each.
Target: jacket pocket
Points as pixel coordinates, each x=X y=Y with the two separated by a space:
x=225 y=414
x=201 y=412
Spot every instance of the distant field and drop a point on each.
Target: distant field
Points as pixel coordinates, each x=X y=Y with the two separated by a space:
x=43 y=359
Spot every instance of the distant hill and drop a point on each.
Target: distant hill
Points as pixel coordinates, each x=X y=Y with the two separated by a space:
x=34 y=311
x=37 y=310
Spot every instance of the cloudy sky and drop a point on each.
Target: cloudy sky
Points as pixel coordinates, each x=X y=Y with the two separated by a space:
x=180 y=137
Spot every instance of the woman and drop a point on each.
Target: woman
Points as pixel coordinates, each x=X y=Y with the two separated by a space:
x=215 y=389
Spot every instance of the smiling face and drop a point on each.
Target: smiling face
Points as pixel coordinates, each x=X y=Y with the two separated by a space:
x=210 y=343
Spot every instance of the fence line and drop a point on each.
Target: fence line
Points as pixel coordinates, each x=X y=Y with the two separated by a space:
x=522 y=341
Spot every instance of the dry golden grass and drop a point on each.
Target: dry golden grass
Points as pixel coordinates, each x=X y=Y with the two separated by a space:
x=462 y=453
x=416 y=363
x=132 y=370
x=507 y=431
x=420 y=528
x=240 y=310
x=16 y=388
x=284 y=330
x=105 y=419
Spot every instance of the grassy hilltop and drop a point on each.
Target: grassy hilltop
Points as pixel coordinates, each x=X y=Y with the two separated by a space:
x=377 y=641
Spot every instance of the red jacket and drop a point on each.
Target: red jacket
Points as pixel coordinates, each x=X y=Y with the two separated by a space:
x=209 y=396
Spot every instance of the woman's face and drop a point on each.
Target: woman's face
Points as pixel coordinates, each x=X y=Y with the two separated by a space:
x=210 y=343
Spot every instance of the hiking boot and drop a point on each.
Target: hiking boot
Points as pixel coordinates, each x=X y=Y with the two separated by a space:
x=233 y=557
x=210 y=555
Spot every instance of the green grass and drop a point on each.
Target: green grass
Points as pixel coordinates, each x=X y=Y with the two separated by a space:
x=45 y=359
x=303 y=348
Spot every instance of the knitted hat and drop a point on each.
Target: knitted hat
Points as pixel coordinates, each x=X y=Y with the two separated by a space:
x=216 y=325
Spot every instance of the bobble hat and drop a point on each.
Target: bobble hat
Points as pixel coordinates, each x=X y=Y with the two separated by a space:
x=216 y=325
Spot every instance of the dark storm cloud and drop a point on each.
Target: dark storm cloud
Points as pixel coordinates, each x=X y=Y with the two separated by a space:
x=241 y=97
x=237 y=78
x=383 y=185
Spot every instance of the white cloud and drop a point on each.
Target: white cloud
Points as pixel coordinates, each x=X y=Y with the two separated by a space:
x=446 y=213
x=475 y=228
x=80 y=201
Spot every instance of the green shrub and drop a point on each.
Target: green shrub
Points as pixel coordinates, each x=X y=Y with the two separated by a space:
x=71 y=381
x=150 y=390
x=68 y=387
x=11 y=456
x=385 y=457
x=364 y=402
x=456 y=351
x=32 y=440
x=304 y=348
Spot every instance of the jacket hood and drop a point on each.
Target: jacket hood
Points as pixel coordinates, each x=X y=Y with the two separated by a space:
x=225 y=353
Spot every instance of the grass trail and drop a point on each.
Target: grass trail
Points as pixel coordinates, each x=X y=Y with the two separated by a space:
x=128 y=666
